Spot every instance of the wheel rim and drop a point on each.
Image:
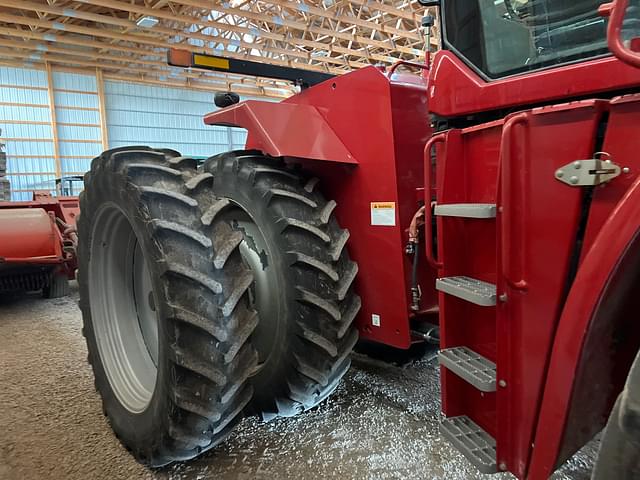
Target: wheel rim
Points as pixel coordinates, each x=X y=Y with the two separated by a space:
x=123 y=309
x=255 y=253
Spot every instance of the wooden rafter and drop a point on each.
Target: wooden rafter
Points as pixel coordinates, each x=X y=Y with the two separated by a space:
x=332 y=36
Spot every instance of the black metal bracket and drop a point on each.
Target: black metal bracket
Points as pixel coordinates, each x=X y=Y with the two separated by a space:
x=300 y=77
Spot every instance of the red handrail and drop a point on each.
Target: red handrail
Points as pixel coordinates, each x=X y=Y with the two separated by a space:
x=616 y=11
x=513 y=265
x=428 y=211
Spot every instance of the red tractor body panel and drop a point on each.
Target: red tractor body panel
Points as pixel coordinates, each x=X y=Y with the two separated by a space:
x=270 y=126
x=455 y=89
x=597 y=335
x=533 y=339
x=376 y=128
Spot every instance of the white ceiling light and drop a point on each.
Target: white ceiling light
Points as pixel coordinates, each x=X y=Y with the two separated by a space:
x=147 y=21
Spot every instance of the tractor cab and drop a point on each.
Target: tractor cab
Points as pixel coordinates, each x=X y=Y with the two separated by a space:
x=498 y=39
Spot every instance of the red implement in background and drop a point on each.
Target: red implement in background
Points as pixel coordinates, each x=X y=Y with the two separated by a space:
x=38 y=243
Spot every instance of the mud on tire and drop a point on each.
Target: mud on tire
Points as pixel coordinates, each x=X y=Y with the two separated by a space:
x=196 y=294
x=303 y=279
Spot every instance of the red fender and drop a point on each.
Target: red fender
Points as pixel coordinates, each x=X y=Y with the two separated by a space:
x=284 y=130
x=608 y=252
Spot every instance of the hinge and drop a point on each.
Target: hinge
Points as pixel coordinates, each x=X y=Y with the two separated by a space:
x=588 y=173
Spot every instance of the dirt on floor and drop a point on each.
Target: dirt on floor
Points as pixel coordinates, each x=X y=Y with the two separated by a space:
x=382 y=422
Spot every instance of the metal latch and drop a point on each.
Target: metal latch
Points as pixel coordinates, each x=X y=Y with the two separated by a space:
x=594 y=171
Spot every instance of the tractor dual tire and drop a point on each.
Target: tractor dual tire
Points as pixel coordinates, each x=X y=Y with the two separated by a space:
x=167 y=315
x=303 y=279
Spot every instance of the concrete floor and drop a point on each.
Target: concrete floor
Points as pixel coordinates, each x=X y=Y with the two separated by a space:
x=380 y=424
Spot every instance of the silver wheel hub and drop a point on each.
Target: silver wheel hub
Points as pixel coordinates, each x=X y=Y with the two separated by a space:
x=123 y=309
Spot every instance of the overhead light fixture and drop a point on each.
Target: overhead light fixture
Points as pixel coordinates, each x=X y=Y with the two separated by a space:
x=147 y=21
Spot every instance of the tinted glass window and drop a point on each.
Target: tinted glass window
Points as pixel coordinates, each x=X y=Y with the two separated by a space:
x=503 y=37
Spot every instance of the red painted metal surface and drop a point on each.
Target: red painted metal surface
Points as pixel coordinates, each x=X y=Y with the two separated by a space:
x=526 y=251
x=29 y=235
x=617 y=10
x=594 y=346
x=65 y=208
x=467 y=172
x=538 y=224
x=622 y=142
x=381 y=122
x=455 y=89
x=39 y=232
x=369 y=113
x=606 y=255
x=271 y=126
x=430 y=192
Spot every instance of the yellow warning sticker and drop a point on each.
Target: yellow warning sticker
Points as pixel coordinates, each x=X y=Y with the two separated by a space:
x=383 y=214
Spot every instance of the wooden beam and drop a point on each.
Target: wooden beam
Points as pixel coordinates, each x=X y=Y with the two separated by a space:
x=83 y=42
x=333 y=47
x=310 y=9
x=93 y=32
x=147 y=79
x=52 y=117
x=223 y=26
x=105 y=19
x=103 y=110
x=215 y=84
x=388 y=29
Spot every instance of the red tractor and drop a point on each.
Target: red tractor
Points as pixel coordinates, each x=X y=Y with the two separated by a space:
x=492 y=202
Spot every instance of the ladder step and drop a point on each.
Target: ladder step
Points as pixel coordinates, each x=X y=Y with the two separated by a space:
x=470 y=366
x=472 y=441
x=466 y=210
x=469 y=289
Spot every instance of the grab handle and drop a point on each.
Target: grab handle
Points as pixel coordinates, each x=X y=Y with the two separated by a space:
x=428 y=211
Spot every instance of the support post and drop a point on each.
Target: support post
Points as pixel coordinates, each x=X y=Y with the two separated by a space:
x=102 y=106
x=53 y=121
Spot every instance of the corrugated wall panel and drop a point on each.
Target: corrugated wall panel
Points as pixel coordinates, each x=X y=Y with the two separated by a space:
x=23 y=95
x=163 y=117
x=78 y=117
x=29 y=146
x=75 y=81
x=22 y=76
x=137 y=114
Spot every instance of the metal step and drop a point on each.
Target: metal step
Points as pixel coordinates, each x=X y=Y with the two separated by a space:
x=472 y=441
x=470 y=366
x=469 y=289
x=466 y=210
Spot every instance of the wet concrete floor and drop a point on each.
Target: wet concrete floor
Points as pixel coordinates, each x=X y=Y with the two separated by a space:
x=382 y=422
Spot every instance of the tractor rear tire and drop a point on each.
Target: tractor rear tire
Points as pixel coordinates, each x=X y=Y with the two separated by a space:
x=57 y=286
x=303 y=286
x=167 y=330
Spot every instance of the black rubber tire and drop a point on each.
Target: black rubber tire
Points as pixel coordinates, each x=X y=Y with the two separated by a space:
x=312 y=334
x=619 y=454
x=205 y=355
x=618 y=457
x=57 y=286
